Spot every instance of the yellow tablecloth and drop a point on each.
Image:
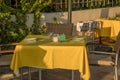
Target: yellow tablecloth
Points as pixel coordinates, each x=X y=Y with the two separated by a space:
x=110 y=27
x=47 y=54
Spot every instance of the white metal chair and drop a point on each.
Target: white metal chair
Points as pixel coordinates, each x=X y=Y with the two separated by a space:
x=82 y=28
x=102 y=55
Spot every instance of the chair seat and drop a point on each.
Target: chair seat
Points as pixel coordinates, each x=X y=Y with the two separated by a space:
x=6 y=51
x=5 y=60
x=108 y=43
x=105 y=60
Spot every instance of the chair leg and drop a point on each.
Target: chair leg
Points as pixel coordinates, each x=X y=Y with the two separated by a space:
x=72 y=74
x=16 y=75
x=21 y=74
x=40 y=74
x=29 y=73
x=115 y=73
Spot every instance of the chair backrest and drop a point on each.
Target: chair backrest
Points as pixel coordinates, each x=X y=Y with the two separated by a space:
x=59 y=28
x=117 y=43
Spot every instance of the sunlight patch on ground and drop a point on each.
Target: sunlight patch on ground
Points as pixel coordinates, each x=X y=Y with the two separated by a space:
x=6 y=76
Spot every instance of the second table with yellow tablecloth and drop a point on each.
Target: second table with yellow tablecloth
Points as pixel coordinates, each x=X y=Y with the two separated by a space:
x=44 y=53
x=110 y=28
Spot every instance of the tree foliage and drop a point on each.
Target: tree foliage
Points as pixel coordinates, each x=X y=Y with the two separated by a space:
x=11 y=31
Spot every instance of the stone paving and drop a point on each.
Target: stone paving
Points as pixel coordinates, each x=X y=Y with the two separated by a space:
x=97 y=73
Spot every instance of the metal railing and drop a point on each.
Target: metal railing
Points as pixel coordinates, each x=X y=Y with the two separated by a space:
x=86 y=4
x=62 y=5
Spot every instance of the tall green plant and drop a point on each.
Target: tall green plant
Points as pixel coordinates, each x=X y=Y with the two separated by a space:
x=39 y=5
x=4 y=22
x=35 y=7
x=11 y=31
x=20 y=25
x=15 y=31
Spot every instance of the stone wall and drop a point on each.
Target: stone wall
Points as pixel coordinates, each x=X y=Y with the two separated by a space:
x=81 y=15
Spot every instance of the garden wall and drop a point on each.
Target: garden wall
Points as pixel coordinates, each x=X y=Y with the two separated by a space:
x=81 y=15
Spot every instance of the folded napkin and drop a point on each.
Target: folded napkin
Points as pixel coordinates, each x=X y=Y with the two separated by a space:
x=93 y=25
x=90 y=25
x=79 y=25
x=99 y=25
x=85 y=27
x=30 y=39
